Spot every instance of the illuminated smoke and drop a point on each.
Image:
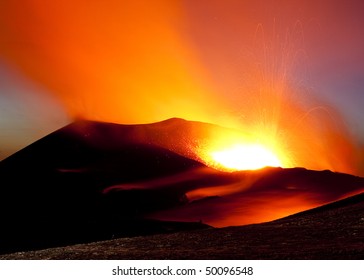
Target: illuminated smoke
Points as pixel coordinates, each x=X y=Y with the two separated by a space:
x=140 y=62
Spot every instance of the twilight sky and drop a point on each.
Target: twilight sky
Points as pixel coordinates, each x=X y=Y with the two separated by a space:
x=227 y=62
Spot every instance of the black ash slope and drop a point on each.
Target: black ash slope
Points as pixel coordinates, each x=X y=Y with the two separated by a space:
x=93 y=181
x=51 y=191
x=333 y=231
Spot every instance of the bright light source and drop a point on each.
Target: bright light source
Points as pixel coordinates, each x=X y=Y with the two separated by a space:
x=245 y=157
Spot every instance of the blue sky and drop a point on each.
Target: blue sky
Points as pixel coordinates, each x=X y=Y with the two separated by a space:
x=27 y=112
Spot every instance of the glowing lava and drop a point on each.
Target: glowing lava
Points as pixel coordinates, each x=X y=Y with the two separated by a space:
x=245 y=157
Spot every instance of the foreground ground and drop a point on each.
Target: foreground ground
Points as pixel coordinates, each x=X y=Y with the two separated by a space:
x=334 y=231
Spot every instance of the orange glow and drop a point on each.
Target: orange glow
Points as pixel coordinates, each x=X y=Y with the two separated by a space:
x=142 y=61
x=120 y=61
x=241 y=207
x=232 y=150
x=245 y=157
x=229 y=63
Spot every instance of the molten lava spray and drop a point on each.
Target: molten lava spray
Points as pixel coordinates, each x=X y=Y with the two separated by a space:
x=144 y=61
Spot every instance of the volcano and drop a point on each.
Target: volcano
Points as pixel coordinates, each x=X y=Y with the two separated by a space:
x=92 y=181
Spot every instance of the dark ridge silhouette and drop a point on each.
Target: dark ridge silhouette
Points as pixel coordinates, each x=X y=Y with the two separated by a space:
x=93 y=181
x=264 y=189
x=51 y=191
x=349 y=202
x=333 y=231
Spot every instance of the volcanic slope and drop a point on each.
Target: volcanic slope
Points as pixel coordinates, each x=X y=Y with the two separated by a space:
x=333 y=231
x=52 y=190
x=93 y=181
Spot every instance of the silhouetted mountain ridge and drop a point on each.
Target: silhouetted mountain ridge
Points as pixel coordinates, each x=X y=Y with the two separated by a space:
x=92 y=181
x=332 y=231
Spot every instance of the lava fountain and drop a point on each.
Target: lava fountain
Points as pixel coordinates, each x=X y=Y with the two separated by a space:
x=145 y=61
x=245 y=157
x=129 y=62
